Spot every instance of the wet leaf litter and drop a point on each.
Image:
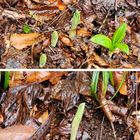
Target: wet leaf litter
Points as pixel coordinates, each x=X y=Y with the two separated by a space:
x=61 y=31
x=64 y=105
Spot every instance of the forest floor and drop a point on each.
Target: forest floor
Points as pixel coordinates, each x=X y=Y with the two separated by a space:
x=42 y=105
x=26 y=28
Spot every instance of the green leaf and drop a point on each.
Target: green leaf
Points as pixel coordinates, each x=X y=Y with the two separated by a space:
x=119 y=34
x=94 y=83
x=54 y=39
x=42 y=60
x=123 y=47
x=105 y=82
x=26 y=28
x=72 y=34
x=103 y=41
x=6 y=79
x=76 y=121
x=111 y=77
x=75 y=20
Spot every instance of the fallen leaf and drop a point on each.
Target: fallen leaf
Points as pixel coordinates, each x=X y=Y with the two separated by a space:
x=118 y=77
x=83 y=32
x=31 y=77
x=137 y=136
x=17 y=132
x=42 y=119
x=1 y=118
x=66 y=40
x=21 y=41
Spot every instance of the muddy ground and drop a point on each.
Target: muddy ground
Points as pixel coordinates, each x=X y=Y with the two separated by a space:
x=42 y=105
x=44 y=17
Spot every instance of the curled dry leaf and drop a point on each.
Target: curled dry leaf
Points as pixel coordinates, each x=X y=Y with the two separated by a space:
x=1 y=118
x=42 y=119
x=17 y=132
x=21 y=41
x=83 y=32
x=118 y=77
x=66 y=40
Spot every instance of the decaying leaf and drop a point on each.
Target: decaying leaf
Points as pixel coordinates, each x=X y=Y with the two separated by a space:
x=21 y=41
x=42 y=119
x=18 y=78
x=118 y=77
x=16 y=132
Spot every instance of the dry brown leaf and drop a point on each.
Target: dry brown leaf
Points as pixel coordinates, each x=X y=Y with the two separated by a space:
x=1 y=118
x=118 y=76
x=135 y=38
x=17 y=132
x=66 y=40
x=137 y=136
x=21 y=41
x=42 y=119
x=83 y=32
x=37 y=76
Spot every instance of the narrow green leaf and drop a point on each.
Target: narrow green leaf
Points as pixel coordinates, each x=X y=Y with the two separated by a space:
x=105 y=82
x=119 y=34
x=103 y=40
x=111 y=77
x=72 y=33
x=54 y=39
x=123 y=47
x=42 y=60
x=94 y=83
x=76 y=121
x=6 y=79
x=75 y=20
x=26 y=28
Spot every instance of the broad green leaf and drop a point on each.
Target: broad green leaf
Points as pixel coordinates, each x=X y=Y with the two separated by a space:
x=103 y=41
x=75 y=20
x=94 y=83
x=42 y=60
x=119 y=34
x=54 y=39
x=105 y=82
x=76 y=121
x=123 y=47
x=26 y=28
x=6 y=79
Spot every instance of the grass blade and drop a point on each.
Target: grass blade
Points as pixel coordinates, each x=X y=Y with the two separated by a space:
x=6 y=79
x=76 y=121
x=105 y=82
x=94 y=83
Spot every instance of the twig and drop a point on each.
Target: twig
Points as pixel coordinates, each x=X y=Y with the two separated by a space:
x=104 y=20
x=115 y=5
x=102 y=127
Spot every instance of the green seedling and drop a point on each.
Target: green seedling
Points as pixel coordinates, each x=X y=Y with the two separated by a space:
x=76 y=121
x=54 y=39
x=42 y=60
x=6 y=79
x=116 y=42
x=105 y=75
x=26 y=28
x=74 y=23
x=94 y=83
